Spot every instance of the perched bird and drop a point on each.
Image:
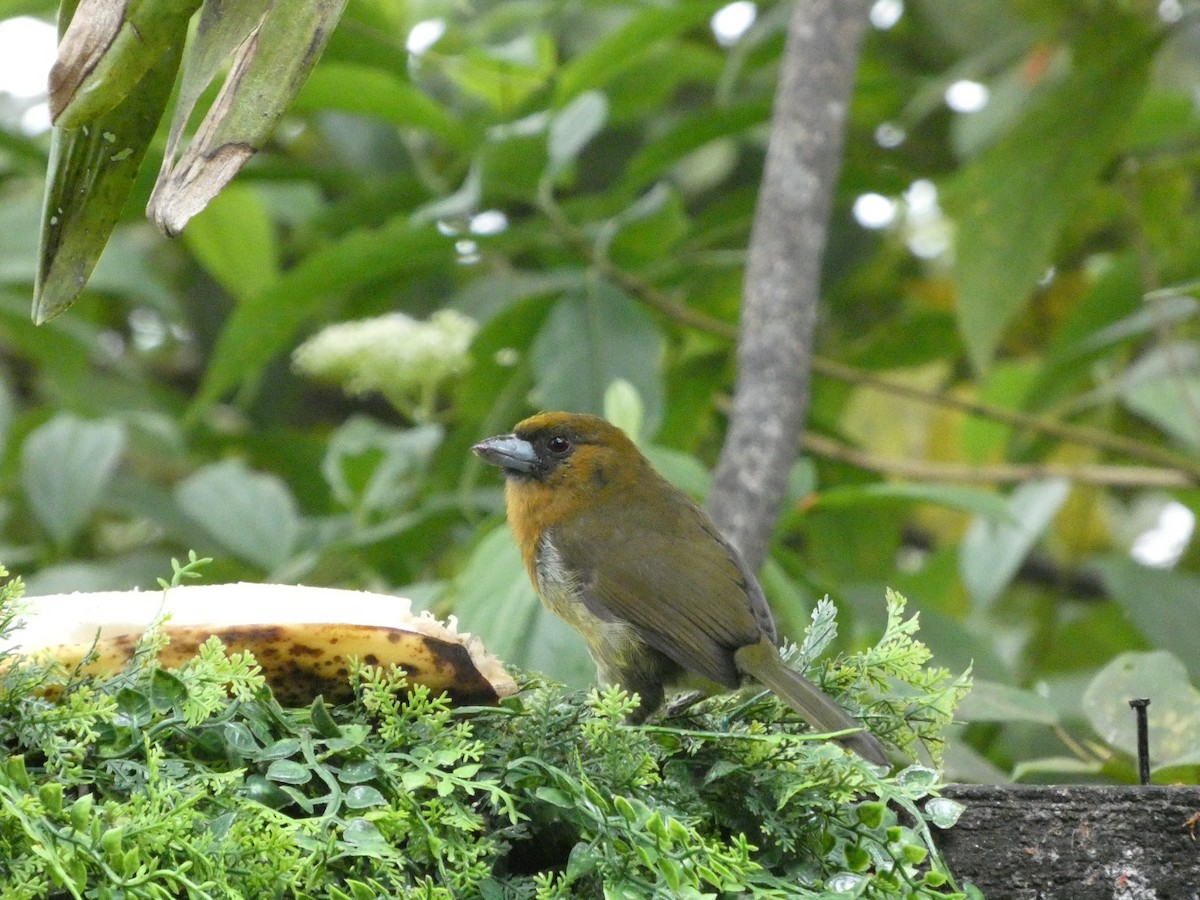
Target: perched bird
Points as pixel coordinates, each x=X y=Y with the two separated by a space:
x=641 y=572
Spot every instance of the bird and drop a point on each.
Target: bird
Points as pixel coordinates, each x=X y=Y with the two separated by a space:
x=642 y=572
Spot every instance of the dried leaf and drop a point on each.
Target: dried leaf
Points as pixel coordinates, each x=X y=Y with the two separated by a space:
x=222 y=28
x=106 y=52
x=268 y=69
x=92 y=29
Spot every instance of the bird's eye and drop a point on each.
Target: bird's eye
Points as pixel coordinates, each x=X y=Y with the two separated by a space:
x=558 y=444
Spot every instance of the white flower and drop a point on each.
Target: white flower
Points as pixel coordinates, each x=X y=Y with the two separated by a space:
x=396 y=355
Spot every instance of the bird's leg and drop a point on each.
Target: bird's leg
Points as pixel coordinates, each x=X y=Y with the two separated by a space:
x=634 y=680
x=683 y=702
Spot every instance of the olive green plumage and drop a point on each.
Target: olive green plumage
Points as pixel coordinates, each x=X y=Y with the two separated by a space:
x=641 y=572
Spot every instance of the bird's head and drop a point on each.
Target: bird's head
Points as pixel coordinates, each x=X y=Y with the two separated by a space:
x=563 y=450
x=567 y=471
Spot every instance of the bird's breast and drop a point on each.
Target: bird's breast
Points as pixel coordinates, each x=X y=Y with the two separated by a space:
x=613 y=644
x=561 y=587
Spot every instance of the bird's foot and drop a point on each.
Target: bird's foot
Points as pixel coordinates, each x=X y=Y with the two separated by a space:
x=682 y=702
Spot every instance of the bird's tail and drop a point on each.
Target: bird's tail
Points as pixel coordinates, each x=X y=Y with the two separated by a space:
x=763 y=662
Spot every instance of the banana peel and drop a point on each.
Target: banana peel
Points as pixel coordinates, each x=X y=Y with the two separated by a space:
x=302 y=637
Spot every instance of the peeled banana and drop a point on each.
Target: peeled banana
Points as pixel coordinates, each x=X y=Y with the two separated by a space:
x=302 y=637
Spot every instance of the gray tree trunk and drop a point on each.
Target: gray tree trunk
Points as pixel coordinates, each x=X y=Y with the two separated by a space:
x=782 y=284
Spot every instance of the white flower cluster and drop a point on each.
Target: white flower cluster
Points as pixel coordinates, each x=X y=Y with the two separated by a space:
x=402 y=358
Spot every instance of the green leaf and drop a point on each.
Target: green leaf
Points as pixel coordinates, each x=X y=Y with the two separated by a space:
x=681 y=469
x=554 y=796
x=363 y=835
x=574 y=126
x=1007 y=384
x=992 y=550
x=239 y=739
x=280 y=749
x=1164 y=312
x=368 y=91
x=221 y=29
x=495 y=578
x=133 y=708
x=592 y=338
x=234 y=239
x=918 y=777
x=92 y=171
x=363 y=796
x=818 y=635
x=1010 y=204
x=944 y=812
x=504 y=76
x=1056 y=766
x=690 y=133
x=80 y=813
x=990 y=701
x=645 y=232
x=24 y=151
x=1163 y=386
x=358 y=772
x=166 y=690
x=65 y=466
x=1171 y=403
x=623 y=407
x=627 y=46
x=909 y=341
x=1173 y=715
x=259 y=790
x=870 y=813
x=1164 y=605
x=250 y=514
x=458 y=205
x=8 y=408
x=372 y=468
x=490 y=295
x=287 y=771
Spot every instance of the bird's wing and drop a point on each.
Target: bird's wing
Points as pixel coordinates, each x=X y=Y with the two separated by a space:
x=680 y=584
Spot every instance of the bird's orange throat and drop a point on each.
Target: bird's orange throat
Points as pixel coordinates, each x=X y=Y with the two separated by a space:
x=590 y=480
x=533 y=507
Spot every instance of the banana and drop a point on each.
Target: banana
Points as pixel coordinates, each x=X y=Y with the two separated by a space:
x=302 y=637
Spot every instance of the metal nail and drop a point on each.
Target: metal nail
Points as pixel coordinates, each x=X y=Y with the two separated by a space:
x=1143 y=739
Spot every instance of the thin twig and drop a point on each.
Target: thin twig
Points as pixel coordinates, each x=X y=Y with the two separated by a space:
x=1001 y=473
x=1084 y=435
x=1151 y=287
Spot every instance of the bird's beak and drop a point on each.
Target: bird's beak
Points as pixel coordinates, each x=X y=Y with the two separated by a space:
x=509 y=452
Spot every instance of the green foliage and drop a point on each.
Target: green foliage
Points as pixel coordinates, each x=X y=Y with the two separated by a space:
x=196 y=783
x=1004 y=405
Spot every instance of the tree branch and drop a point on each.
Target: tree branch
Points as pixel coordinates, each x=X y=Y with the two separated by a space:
x=1083 y=435
x=1001 y=473
x=787 y=243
